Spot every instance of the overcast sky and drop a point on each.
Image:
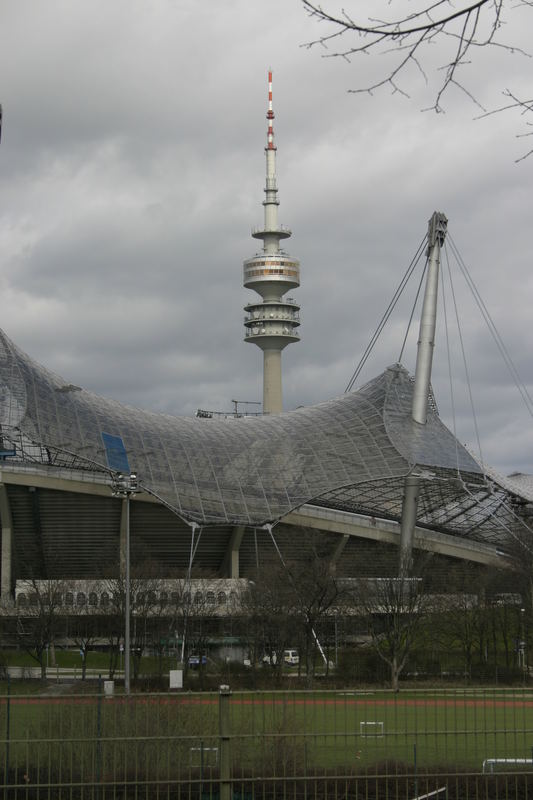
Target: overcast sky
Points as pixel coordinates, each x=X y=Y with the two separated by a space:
x=132 y=170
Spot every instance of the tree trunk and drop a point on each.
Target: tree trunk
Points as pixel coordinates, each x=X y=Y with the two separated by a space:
x=113 y=656
x=395 y=675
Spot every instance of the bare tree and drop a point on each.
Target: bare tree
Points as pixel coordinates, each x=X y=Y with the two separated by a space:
x=407 y=41
x=316 y=590
x=268 y=613
x=84 y=621
x=38 y=617
x=145 y=605
x=394 y=608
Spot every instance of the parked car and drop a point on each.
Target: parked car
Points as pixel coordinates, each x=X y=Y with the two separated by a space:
x=195 y=660
x=291 y=657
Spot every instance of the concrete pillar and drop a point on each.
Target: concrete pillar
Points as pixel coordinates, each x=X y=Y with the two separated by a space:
x=272 y=402
x=408 y=523
x=343 y=541
x=230 y=567
x=6 y=577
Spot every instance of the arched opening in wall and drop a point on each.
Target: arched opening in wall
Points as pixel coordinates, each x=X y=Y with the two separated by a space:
x=93 y=599
x=81 y=599
x=69 y=599
x=104 y=600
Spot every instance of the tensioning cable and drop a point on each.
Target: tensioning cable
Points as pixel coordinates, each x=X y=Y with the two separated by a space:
x=390 y=308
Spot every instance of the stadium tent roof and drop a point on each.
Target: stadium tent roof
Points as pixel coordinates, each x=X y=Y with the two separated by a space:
x=351 y=452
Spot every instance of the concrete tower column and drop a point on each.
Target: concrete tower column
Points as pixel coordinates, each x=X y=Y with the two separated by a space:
x=271 y=323
x=272 y=397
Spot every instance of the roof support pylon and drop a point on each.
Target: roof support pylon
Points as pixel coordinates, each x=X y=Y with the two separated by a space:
x=424 y=360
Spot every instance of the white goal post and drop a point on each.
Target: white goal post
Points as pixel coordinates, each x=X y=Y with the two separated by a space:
x=372 y=728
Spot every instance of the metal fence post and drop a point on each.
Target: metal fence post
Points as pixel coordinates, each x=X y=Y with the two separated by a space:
x=8 y=731
x=99 y=738
x=225 y=742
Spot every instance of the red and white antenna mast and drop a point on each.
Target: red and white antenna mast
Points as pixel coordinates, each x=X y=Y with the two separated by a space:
x=270 y=115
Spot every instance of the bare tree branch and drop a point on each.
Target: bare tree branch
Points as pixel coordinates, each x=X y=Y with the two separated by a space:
x=406 y=39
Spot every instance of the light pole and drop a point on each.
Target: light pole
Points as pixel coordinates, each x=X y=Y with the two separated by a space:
x=124 y=486
x=522 y=644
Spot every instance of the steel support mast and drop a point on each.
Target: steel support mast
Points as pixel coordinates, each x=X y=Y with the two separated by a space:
x=424 y=360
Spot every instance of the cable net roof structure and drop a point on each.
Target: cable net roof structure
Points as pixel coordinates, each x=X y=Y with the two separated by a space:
x=350 y=453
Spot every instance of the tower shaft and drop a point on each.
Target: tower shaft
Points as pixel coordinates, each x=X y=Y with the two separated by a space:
x=271 y=323
x=272 y=395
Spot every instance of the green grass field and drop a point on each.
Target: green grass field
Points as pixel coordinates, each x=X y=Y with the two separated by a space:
x=71 y=659
x=271 y=733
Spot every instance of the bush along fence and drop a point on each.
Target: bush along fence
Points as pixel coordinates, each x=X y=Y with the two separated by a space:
x=240 y=746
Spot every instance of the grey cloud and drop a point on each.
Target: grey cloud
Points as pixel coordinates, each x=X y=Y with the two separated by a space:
x=132 y=168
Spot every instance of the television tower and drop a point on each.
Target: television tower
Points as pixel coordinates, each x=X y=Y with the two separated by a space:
x=271 y=322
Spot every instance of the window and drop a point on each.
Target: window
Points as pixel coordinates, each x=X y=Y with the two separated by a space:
x=104 y=600
x=221 y=598
x=93 y=599
x=69 y=599
x=81 y=599
x=210 y=598
x=22 y=599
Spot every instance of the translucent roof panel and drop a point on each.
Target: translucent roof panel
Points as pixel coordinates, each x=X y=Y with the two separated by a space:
x=250 y=470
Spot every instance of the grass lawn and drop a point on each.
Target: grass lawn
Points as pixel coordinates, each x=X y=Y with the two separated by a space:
x=71 y=659
x=161 y=735
x=458 y=729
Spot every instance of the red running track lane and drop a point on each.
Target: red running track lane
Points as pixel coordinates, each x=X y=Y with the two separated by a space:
x=342 y=702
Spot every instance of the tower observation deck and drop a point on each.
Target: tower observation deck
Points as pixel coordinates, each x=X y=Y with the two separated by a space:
x=271 y=323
